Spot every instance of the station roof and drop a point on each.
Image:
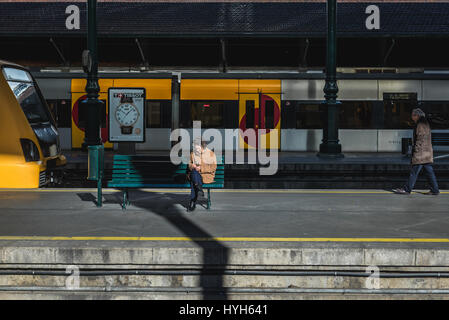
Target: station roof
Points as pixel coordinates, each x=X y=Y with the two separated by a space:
x=240 y=54
x=180 y=18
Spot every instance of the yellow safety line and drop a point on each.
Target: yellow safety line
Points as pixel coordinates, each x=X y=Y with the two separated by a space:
x=219 y=190
x=222 y=239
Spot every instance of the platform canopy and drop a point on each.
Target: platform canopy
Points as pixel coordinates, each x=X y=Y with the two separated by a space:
x=296 y=18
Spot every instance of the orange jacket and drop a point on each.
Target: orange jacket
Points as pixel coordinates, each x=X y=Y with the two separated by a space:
x=208 y=165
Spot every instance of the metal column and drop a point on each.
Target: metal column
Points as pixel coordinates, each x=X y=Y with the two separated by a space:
x=176 y=92
x=92 y=103
x=330 y=147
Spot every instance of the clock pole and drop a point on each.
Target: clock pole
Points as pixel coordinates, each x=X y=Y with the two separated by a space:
x=92 y=105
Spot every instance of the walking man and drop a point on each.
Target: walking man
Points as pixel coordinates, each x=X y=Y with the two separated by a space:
x=422 y=155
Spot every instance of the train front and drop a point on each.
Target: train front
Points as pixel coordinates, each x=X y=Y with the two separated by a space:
x=30 y=154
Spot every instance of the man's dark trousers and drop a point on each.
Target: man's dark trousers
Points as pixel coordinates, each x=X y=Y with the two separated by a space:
x=195 y=179
x=414 y=172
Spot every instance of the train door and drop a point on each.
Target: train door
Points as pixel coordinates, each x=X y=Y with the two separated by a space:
x=249 y=118
x=260 y=112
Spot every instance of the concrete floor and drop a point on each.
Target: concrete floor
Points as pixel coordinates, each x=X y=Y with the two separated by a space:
x=234 y=213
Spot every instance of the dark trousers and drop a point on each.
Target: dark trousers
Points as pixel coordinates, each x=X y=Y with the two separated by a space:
x=414 y=172
x=196 y=183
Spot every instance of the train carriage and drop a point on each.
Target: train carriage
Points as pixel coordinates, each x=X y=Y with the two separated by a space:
x=374 y=114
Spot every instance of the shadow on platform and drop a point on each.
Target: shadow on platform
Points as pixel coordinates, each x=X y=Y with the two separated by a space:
x=167 y=206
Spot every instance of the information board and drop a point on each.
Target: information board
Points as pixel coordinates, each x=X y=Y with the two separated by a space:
x=400 y=96
x=126 y=109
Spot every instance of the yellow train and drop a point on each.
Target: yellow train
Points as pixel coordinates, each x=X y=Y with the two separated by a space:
x=29 y=146
x=217 y=103
x=374 y=115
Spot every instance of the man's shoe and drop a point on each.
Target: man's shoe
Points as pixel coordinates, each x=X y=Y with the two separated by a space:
x=432 y=193
x=400 y=191
x=191 y=206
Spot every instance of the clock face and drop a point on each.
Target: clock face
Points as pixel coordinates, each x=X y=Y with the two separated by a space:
x=126 y=114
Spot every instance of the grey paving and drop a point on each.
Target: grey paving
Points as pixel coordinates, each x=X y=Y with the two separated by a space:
x=237 y=213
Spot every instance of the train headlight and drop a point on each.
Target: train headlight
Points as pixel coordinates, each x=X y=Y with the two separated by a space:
x=30 y=150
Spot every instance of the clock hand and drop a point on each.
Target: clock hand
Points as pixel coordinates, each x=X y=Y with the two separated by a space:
x=126 y=115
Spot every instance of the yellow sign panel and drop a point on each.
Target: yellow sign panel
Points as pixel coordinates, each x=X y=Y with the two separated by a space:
x=211 y=89
x=256 y=86
x=156 y=89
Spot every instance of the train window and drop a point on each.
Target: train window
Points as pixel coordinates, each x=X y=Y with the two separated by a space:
x=397 y=114
x=231 y=114
x=23 y=88
x=166 y=114
x=352 y=115
x=250 y=109
x=225 y=114
x=269 y=114
x=355 y=115
x=184 y=115
x=438 y=114
x=30 y=101
x=153 y=114
x=288 y=114
x=14 y=74
x=61 y=112
x=309 y=116
x=209 y=113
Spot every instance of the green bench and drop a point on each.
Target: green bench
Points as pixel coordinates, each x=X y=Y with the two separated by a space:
x=138 y=171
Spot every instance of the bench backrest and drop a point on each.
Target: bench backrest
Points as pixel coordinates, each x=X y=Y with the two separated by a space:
x=440 y=140
x=145 y=169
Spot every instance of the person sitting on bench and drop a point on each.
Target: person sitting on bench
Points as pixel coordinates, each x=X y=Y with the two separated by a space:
x=202 y=167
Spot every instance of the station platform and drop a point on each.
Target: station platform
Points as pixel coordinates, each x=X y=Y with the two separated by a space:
x=235 y=213
x=296 y=170
x=252 y=244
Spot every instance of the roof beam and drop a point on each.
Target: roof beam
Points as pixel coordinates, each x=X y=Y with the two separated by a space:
x=61 y=56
